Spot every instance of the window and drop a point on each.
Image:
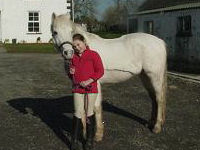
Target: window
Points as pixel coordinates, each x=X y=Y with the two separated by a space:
x=34 y=22
x=148 y=27
x=184 y=26
x=69 y=4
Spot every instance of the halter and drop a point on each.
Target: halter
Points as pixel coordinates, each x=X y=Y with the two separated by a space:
x=61 y=45
x=66 y=42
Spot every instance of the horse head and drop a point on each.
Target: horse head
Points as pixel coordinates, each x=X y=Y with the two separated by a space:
x=62 y=29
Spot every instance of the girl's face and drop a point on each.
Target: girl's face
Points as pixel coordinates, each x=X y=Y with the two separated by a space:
x=79 y=46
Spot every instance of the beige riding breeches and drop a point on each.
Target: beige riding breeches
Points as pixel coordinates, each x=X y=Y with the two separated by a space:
x=83 y=107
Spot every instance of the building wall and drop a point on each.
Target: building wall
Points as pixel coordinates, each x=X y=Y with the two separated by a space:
x=14 y=18
x=165 y=27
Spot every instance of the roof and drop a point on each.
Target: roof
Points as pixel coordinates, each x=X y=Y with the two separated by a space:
x=164 y=5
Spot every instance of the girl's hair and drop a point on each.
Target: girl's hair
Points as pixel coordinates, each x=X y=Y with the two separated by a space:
x=78 y=37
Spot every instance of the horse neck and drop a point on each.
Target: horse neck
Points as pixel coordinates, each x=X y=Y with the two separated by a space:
x=88 y=36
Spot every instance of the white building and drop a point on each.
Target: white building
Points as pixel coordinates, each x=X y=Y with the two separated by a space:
x=28 y=20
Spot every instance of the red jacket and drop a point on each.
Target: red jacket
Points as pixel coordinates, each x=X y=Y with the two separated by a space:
x=88 y=65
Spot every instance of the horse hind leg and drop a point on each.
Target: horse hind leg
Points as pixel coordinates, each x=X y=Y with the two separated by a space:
x=149 y=87
x=156 y=88
x=159 y=84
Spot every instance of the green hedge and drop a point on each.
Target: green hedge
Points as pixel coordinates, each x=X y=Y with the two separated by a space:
x=30 y=48
x=109 y=35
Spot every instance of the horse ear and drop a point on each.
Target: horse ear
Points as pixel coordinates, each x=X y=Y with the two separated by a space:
x=68 y=16
x=53 y=17
x=84 y=26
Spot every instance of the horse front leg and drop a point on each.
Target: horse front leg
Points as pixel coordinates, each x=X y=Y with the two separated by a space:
x=156 y=87
x=98 y=115
x=84 y=126
x=99 y=124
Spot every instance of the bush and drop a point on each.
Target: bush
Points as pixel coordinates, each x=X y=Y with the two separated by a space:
x=30 y=48
x=109 y=35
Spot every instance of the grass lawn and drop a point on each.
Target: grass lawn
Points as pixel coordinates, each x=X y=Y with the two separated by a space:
x=47 y=47
x=30 y=48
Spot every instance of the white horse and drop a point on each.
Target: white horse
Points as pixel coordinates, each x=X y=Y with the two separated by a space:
x=132 y=54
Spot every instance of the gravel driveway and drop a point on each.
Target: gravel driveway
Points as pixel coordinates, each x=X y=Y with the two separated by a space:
x=36 y=109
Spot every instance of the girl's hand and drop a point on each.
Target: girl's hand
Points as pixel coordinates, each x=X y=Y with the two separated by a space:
x=86 y=83
x=72 y=70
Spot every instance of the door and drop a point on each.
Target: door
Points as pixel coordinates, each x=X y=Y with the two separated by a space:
x=183 y=40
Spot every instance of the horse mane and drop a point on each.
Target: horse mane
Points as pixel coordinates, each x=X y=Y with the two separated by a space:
x=78 y=28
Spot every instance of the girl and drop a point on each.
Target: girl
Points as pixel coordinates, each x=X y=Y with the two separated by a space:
x=85 y=69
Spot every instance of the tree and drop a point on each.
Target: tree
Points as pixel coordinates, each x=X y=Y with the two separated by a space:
x=85 y=13
x=115 y=17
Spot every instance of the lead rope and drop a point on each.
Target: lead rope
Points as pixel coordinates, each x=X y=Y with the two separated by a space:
x=73 y=79
x=86 y=102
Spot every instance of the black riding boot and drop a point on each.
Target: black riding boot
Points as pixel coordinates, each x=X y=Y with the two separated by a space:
x=76 y=134
x=90 y=127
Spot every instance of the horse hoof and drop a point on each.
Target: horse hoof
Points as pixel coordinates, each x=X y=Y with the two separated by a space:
x=98 y=137
x=156 y=129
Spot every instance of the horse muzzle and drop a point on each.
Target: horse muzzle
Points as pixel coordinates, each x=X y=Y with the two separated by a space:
x=68 y=53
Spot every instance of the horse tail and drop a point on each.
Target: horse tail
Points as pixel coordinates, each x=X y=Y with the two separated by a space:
x=164 y=88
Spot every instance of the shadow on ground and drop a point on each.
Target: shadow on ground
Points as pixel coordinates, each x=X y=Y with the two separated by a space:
x=57 y=113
